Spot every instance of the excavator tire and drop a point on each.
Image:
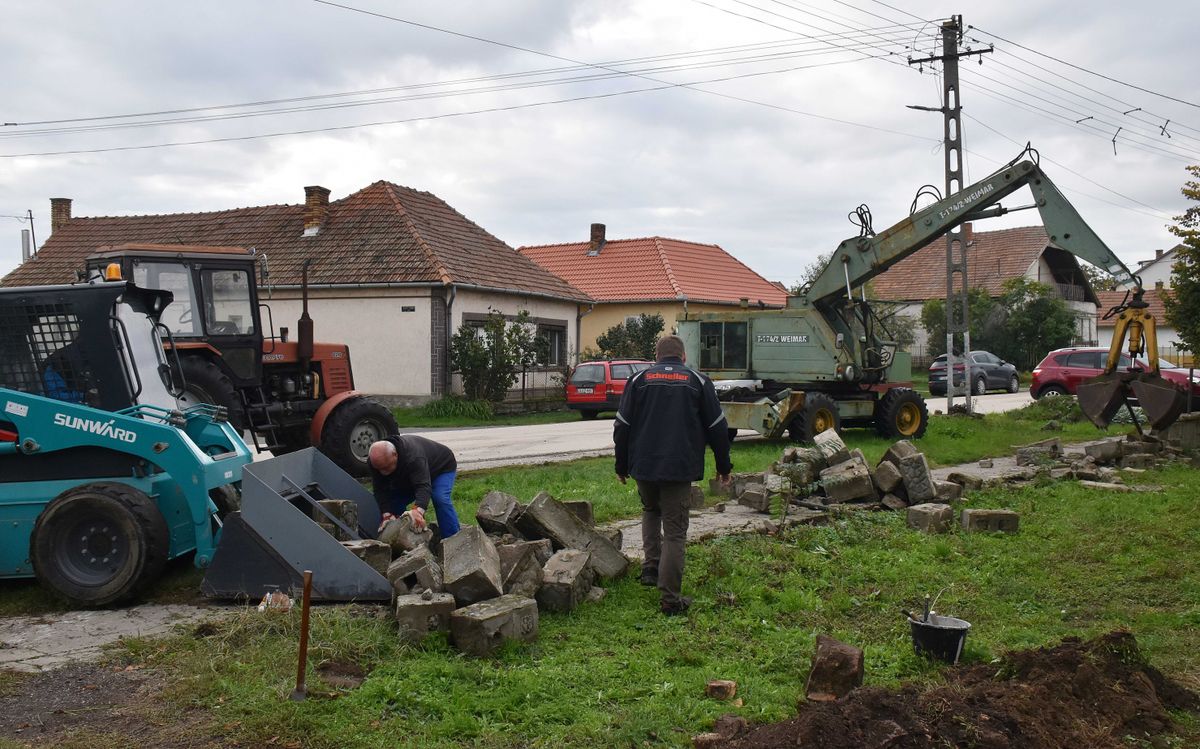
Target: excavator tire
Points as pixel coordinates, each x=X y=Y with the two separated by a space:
x=350 y=430
x=206 y=383
x=820 y=413
x=901 y=414
x=99 y=544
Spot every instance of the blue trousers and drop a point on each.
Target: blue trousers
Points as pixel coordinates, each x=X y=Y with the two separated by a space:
x=442 y=485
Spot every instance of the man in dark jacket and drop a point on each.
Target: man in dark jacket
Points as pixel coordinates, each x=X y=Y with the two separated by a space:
x=406 y=468
x=667 y=415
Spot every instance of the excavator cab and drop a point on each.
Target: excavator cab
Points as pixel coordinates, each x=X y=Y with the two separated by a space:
x=1102 y=397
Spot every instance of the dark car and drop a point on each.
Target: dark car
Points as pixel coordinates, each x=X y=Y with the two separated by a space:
x=989 y=372
x=597 y=386
x=1061 y=372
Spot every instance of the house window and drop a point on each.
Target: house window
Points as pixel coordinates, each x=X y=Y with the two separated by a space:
x=723 y=345
x=555 y=350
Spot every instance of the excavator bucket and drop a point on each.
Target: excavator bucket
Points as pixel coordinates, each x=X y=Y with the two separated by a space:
x=268 y=545
x=1101 y=397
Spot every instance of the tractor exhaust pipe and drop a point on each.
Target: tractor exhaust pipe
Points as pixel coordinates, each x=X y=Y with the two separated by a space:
x=304 y=327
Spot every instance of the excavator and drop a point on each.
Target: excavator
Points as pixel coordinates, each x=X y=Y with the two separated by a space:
x=826 y=359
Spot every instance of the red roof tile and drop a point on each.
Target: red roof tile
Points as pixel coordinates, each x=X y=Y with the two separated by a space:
x=384 y=233
x=656 y=268
x=993 y=258
x=1110 y=299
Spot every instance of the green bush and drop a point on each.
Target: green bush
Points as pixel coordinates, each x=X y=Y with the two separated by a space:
x=1062 y=408
x=455 y=406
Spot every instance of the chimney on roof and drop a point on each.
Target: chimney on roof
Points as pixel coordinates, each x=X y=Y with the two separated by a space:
x=1158 y=254
x=316 y=208
x=60 y=213
x=596 y=243
x=1158 y=285
x=968 y=234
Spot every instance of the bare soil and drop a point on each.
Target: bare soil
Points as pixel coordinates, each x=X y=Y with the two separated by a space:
x=1078 y=694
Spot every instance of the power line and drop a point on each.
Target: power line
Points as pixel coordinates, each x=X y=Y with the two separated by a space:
x=1089 y=72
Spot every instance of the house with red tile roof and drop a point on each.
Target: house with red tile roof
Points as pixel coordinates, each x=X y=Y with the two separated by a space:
x=652 y=275
x=396 y=272
x=993 y=257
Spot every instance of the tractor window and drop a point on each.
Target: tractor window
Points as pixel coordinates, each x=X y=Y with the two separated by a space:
x=180 y=315
x=723 y=345
x=230 y=311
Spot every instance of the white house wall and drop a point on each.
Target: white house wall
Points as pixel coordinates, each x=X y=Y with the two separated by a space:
x=389 y=343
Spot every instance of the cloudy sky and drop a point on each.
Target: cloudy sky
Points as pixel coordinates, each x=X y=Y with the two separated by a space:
x=793 y=115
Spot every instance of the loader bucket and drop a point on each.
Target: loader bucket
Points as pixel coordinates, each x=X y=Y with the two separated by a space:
x=269 y=544
x=1100 y=398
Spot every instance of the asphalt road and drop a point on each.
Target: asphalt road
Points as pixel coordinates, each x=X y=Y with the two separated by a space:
x=491 y=447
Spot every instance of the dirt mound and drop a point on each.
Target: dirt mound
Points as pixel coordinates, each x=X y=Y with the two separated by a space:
x=1073 y=695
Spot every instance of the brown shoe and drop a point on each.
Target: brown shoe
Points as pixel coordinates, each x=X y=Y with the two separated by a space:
x=678 y=609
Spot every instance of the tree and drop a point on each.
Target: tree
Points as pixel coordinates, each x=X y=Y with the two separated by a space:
x=489 y=357
x=1035 y=321
x=632 y=339
x=1099 y=280
x=810 y=272
x=1183 y=303
x=982 y=323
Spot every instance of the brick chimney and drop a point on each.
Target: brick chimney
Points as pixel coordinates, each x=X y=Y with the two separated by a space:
x=316 y=209
x=1158 y=254
x=60 y=213
x=596 y=243
x=1159 y=285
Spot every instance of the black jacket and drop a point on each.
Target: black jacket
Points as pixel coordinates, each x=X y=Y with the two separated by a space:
x=667 y=415
x=418 y=461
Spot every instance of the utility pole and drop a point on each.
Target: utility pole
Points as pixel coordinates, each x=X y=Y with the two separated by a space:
x=957 y=312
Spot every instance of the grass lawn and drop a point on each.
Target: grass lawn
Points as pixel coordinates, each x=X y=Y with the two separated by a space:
x=419 y=418
x=618 y=674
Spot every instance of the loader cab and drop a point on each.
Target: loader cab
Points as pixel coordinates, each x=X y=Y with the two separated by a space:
x=215 y=306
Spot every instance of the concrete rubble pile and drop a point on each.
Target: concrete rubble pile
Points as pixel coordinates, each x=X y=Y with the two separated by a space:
x=486 y=584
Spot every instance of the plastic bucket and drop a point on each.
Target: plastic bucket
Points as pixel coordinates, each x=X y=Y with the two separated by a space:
x=942 y=637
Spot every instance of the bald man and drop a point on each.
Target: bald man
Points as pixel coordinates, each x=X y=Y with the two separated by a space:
x=407 y=469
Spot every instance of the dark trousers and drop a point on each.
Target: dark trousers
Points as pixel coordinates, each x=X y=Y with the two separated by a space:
x=664 y=533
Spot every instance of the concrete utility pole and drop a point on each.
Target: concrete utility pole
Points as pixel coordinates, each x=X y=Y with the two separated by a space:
x=957 y=312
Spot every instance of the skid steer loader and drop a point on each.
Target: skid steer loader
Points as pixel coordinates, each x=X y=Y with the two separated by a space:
x=104 y=477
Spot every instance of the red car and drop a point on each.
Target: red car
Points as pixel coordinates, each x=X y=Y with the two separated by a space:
x=597 y=386
x=1063 y=369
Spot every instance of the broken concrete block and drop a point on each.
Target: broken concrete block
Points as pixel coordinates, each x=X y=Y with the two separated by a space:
x=968 y=481
x=986 y=521
x=1084 y=471
x=1106 y=486
x=695 y=499
x=848 y=482
x=414 y=572
x=345 y=510
x=918 y=481
x=547 y=518
x=614 y=536
x=887 y=477
x=739 y=481
x=833 y=450
x=930 y=518
x=1044 y=451
x=892 y=502
x=582 y=509
x=402 y=537
x=375 y=553
x=898 y=450
x=986 y=463
x=497 y=512
x=566 y=580
x=721 y=689
x=481 y=628
x=947 y=491
x=419 y=615
x=471 y=566
x=520 y=570
x=596 y=594
x=776 y=484
x=755 y=497
x=1137 y=460
x=837 y=670
x=800 y=474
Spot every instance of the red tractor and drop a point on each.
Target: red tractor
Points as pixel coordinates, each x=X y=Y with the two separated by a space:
x=289 y=394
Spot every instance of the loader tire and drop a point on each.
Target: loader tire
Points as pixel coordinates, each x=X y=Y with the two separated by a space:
x=820 y=413
x=350 y=430
x=204 y=382
x=99 y=544
x=901 y=414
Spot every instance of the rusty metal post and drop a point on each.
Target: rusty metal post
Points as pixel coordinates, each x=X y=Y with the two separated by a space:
x=301 y=690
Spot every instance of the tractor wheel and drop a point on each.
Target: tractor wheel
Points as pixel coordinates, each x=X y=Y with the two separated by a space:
x=227 y=499
x=350 y=430
x=99 y=544
x=901 y=414
x=820 y=413
x=206 y=383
